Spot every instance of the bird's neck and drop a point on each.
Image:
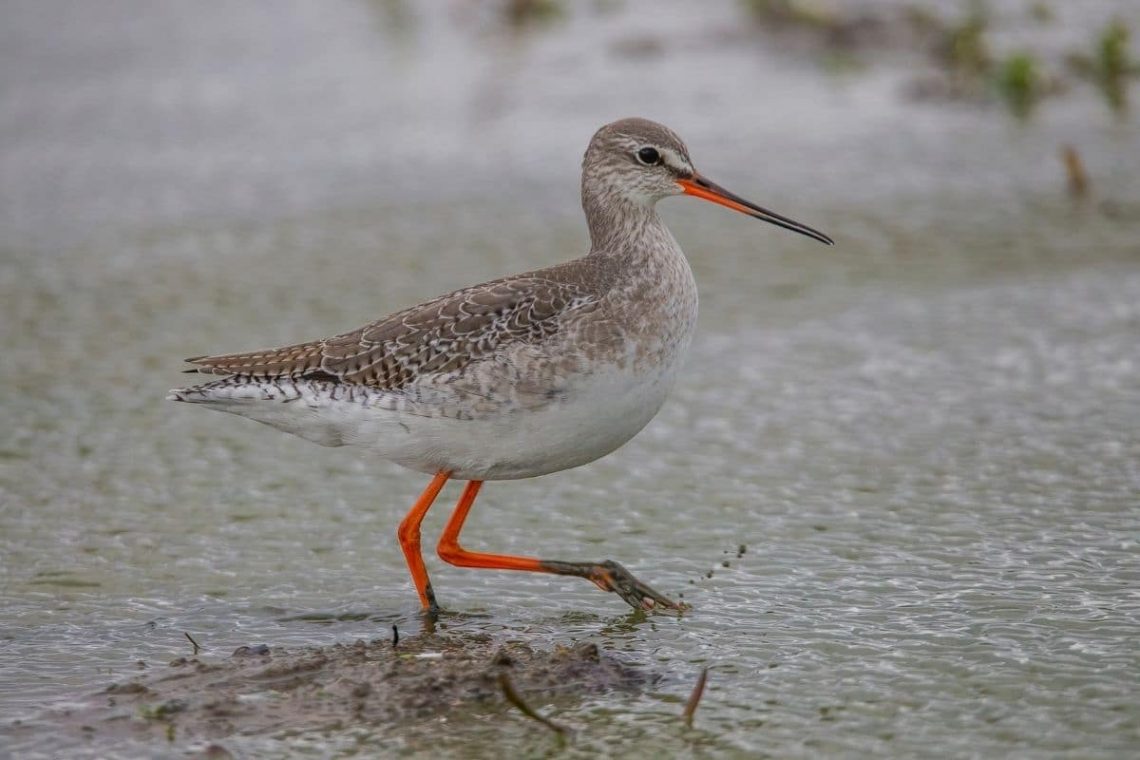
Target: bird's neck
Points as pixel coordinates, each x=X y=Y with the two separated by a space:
x=623 y=229
x=648 y=280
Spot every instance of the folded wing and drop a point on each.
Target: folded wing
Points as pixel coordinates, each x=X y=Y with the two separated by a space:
x=440 y=336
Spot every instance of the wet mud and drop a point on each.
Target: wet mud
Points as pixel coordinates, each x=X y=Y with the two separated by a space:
x=265 y=691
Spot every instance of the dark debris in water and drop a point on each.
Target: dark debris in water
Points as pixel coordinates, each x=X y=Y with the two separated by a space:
x=513 y=697
x=260 y=691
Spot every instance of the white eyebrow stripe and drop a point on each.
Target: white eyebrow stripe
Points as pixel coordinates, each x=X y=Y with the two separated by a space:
x=674 y=160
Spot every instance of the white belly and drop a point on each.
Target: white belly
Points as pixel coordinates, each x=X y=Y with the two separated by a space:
x=596 y=418
x=597 y=414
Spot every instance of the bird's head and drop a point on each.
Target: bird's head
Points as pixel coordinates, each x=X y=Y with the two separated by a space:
x=639 y=162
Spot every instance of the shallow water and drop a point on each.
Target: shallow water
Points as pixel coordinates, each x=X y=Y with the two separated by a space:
x=925 y=437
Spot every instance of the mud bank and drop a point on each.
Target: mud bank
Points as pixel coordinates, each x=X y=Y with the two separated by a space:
x=265 y=691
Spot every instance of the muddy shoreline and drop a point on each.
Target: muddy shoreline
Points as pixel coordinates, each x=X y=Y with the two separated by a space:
x=265 y=691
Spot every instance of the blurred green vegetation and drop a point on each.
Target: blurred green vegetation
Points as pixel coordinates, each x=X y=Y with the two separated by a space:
x=796 y=12
x=1110 y=66
x=525 y=12
x=964 y=62
x=1018 y=79
x=963 y=47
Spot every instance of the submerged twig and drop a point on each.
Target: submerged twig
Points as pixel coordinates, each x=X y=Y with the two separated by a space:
x=514 y=698
x=395 y=635
x=695 y=698
x=193 y=642
x=1078 y=178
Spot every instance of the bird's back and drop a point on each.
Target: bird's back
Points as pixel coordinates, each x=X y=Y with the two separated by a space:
x=438 y=337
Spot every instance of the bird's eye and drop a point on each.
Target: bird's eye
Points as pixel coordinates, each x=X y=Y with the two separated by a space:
x=649 y=156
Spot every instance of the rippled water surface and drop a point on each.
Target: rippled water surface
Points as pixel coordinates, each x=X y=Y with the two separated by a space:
x=898 y=481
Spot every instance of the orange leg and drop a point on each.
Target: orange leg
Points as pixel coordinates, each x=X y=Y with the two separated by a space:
x=608 y=575
x=409 y=535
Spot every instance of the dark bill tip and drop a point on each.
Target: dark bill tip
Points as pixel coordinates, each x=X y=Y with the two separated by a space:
x=700 y=187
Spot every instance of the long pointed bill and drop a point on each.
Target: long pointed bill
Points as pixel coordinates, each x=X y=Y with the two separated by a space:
x=700 y=187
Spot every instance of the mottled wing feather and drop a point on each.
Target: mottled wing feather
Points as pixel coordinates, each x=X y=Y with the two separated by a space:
x=439 y=336
x=270 y=362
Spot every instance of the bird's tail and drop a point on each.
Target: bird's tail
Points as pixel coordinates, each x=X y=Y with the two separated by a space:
x=235 y=390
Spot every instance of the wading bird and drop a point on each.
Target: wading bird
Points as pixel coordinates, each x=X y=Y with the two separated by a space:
x=518 y=377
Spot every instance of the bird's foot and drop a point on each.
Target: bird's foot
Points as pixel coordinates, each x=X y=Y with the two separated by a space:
x=610 y=576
